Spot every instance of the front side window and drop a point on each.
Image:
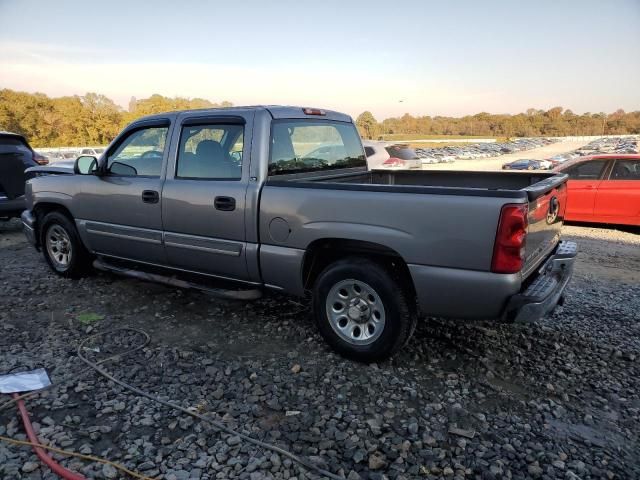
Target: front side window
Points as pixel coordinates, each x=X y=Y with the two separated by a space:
x=626 y=170
x=140 y=154
x=305 y=146
x=590 y=170
x=211 y=152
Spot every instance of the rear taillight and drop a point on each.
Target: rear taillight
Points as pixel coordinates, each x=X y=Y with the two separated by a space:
x=40 y=159
x=508 y=250
x=394 y=162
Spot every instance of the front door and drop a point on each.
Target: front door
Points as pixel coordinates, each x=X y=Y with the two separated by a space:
x=618 y=197
x=584 y=179
x=203 y=199
x=119 y=213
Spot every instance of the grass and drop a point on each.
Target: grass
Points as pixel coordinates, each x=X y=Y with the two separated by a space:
x=87 y=318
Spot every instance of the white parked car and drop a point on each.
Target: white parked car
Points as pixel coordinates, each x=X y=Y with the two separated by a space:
x=390 y=156
x=95 y=152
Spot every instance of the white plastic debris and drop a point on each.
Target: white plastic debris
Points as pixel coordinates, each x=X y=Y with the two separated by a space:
x=24 y=381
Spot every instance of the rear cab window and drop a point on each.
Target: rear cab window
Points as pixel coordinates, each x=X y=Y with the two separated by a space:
x=299 y=146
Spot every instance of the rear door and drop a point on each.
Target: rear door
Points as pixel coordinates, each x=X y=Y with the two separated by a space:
x=618 y=196
x=120 y=212
x=584 y=179
x=203 y=199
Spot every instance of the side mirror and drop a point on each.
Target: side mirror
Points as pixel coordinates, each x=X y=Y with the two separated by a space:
x=85 y=165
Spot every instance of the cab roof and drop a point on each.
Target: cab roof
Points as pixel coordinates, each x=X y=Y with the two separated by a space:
x=276 y=112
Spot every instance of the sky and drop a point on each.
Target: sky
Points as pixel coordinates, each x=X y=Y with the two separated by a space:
x=393 y=57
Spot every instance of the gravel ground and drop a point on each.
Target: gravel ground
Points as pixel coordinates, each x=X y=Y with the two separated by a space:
x=557 y=399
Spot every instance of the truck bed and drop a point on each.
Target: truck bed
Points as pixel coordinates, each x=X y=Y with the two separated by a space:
x=530 y=185
x=445 y=197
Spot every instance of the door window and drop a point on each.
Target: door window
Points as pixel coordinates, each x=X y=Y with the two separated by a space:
x=139 y=154
x=210 y=152
x=626 y=170
x=591 y=170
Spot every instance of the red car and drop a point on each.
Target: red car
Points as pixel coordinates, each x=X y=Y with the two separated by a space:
x=603 y=189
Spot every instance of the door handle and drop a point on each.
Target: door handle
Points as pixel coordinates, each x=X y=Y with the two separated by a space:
x=150 y=196
x=226 y=204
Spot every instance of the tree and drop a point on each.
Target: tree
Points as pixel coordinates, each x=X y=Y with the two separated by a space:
x=367 y=124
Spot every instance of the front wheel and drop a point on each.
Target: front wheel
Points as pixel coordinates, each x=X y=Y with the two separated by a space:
x=361 y=310
x=61 y=246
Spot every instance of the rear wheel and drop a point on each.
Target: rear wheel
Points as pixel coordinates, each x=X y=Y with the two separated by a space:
x=61 y=246
x=361 y=311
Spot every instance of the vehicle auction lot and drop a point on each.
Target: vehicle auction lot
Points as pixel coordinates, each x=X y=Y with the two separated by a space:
x=558 y=398
x=495 y=163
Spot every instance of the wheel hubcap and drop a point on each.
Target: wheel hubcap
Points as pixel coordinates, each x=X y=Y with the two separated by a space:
x=355 y=312
x=59 y=247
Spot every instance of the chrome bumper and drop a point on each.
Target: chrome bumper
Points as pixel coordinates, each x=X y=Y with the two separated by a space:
x=545 y=292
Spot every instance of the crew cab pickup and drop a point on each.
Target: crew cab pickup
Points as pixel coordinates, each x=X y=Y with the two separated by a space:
x=238 y=194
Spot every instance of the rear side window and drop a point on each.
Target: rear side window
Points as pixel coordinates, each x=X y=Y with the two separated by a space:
x=403 y=153
x=13 y=144
x=626 y=170
x=590 y=170
x=211 y=152
x=307 y=146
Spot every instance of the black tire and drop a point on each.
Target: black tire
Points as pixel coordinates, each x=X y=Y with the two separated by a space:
x=399 y=318
x=79 y=259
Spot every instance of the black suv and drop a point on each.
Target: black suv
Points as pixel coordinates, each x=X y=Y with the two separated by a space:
x=15 y=156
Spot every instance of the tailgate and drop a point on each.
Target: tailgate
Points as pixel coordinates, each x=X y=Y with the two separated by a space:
x=547 y=203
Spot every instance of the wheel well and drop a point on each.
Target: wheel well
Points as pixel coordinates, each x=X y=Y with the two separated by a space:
x=322 y=253
x=42 y=209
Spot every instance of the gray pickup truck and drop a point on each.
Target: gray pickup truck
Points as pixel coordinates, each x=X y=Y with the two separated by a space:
x=280 y=198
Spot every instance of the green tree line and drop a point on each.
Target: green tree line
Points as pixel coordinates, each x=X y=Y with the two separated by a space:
x=553 y=122
x=94 y=119
x=90 y=119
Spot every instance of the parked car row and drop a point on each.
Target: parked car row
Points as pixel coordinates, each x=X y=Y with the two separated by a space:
x=606 y=145
x=480 y=150
x=67 y=157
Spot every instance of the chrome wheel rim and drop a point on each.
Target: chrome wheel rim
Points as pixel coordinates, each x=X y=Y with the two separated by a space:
x=59 y=247
x=355 y=312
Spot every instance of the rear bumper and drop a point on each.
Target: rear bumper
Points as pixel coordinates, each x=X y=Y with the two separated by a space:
x=468 y=294
x=29 y=227
x=545 y=291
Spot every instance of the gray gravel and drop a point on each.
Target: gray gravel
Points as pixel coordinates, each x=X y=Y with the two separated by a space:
x=558 y=399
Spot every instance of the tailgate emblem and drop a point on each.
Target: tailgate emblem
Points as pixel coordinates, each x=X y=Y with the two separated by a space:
x=554 y=209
